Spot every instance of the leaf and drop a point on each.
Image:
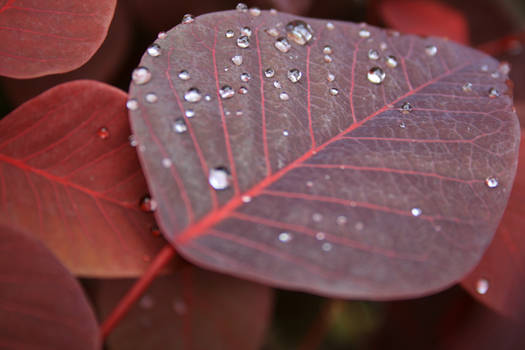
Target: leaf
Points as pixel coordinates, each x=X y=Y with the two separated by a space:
x=499 y=278
x=427 y=17
x=41 y=305
x=69 y=176
x=336 y=192
x=39 y=38
x=193 y=309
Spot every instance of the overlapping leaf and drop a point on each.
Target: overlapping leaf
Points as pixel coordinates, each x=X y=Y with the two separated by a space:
x=339 y=186
x=43 y=37
x=69 y=176
x=41 y=305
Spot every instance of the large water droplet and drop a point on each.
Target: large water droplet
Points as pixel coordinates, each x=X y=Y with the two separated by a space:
x=299 y=32
x=282 y=44
x=373 y=54
x=245 y=77
x=416 y=211
x=237 y=60
x=184 y=75
x=431 y=50
x=493 y=93
x=243 y=90
x=284 y=96
x=482 y=286
x=154 y=50
x=147 y=204
x=406 y=108
x=491 y=182
x=467 y=87
x=285 y=237
x=277 y=84
x=241 y=7
x=226 y=92
x=151 y=97
x=193 y=95
x=219 y=178
x=391 y=61
x=294 y=75
x=187 y=18
x=141 y=75
x=376 y=75
x=103 y=133
x=179 y=126
x=269 y=73
x=132 y=104
x=364 y=33
x=243 y=42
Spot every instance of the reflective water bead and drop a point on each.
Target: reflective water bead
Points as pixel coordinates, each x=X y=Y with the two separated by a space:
x=491 y=182
x=431 y=50
x=359 y=226
x=147 y=204
x=285 y=133
x=132 y=104
x=166 y=162
x=383 y=46
x=376 y=75
x=373 y=54
x=229 y=33
x=416 y=211
x=151 y=97
x=493 y=93
x=245 y=77
x=184 y=75
x=330 y=77
x=162 y=35
x=320 y=236
x=330 y=26
x=269 y=72
x=246 y=199
x=333 y=91
x=294 y=75
x=402 y=125
x=226 y=92
x=189 y=113
x=272 y=32
x=187 y=18
x=237 y=60
x=482 y=286
x=243 y=90
x=179 y=126
x=154 y=50
x=284 y=96
x=132 y=141
x=327 y=50
x=467 y=87
x=285 y=237
x=255 y=11
x=406 y=108
x=326 y=246
x=277 y=84
x=282 y=44
x=246 y=31
x=243 y=42
x=103 y=133
x=364 y=33
x=299 y=32
x=341 y=220
x=494 y=75
x=219 y=178
x=485 y=68
x=242 y=7
x=327 y=58
x=391 y=61
x=207 y=98
x=317 y=217
x=141 y=75
x=193 y=95
x=504 y=68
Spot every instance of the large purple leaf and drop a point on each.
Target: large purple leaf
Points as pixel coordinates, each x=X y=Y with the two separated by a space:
x=339 y=186
x=41 y=305
x=69 y=176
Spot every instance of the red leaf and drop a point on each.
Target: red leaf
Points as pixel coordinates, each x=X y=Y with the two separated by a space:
x=425 y=17
x=69 y=176
x=499 y=278
x=193 y=309
x=41 y=305
x=338 y=192
x=39 y=38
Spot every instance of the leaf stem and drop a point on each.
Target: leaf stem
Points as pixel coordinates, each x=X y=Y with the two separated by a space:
x=163 y=257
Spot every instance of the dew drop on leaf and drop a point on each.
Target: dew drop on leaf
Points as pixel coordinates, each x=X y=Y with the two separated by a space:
x=154 y=50
x=219 y=178
x=141 y=75
x=226 y=92
x=247 y=31
x=272 y=32
x=166 y=162
x=326 y=246
x=286 y=133
x=243 y=42
x=241 y=7
x=391 y=61
x=245 y=77
x=493 y=93
x=327 y=50
x=255 y=11
x=187 y=19
x=330 y=26
x=333 y=91
x=229 y=34
x=184 y=75
x=373 y=54
x=330 y=77
x=341 y=220
x=148 y=204
x=151 y=97
x=193 y=95
x=482 y=286
x=103 y=133
x=277 y=84
x=237 y=60
x=246 y=199
x=189 y=113
x=431 y=50
x=317 y=217
x=416 y=211
x=364 y=33
x=243 y=90
x=282 y=44
x=406 y=108
x=327 y=58
x=376 y=75
x=132 y=141
x=320 y=236
x=179 y=126
x=132 y=104
x=269 y=72
x=491 y=182
x=467 y=87
x=285 y=237
x=294 y=75
x=284 y=96
x=162 y=35
x=299 y=32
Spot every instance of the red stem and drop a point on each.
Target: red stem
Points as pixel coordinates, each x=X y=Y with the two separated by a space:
x=163 y=257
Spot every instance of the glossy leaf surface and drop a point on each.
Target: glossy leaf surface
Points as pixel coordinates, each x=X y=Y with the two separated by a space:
x=69 y=176
x=46 y=37
x=41 y=305
x=338 y=186
x=193 y=309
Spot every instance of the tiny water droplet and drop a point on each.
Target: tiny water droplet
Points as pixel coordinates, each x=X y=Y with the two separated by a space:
x=391 y=61
x=255 y=11
x=103 y=133
x=320 y=236
x=282 y=44
x=330 y=77
x=333 y=91
x=193 y=95
x=238 y=113
x=299 y=32
x=269 y=73
x=243 y=42
x=364 y=33
x=326 y=246
x=467 y=87
x=272 y=32
x=151 y=97
x=132 y=104
x=132 y=141
x=327 y=58
x=246 y=199
x=286 y=133
x=189 y=113
x=273 y=11
x=246 y=31
x=277 y=84
x=485 y=68
x=179 y=126
x=141 y=75
x=245 y=77
x=309 y=184
x=285 y=237
x=493 y=93
x=241 y=7
x=373 y=54
x=416 y=211
x=284 y=96
x=294 y=75
x=376 y=75
x=402 y=125
x=504 y=68
x=243 y=90
x=383 y=46
x=431 y=50
x=317 y=217
x=226 y=92
x=219 y=178
x=229 y=34
x=482 y=286
x=341 y=220
x=237 y=60
x=166 y=162
x=359 y=226
x=207 y=98
x=187 y=19
x=162 y=35
x=148 y=204
x=327 y=50
x=406 y=108
x=494 y=75
x=154 y=50
x=491 y=182
x=184 y=75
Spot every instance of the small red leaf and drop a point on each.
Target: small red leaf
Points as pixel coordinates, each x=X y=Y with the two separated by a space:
x=69 y=176
x=425 y=17
x=41 y=305
x=358 y=165
x=40 y=37
x=193 y=309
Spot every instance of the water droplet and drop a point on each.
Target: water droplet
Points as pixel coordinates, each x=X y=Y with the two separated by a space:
x=341 y=220
x=402 y=125
x=237 y=60
x=282 y=44
x=229 y=34
x=330 y=77
x=495 y=75
x=286 y=133
x=294 y=75
x=327 y=58
x=299 y=32
x=493 y=93
x=330 y=26
x=333 y=91
x=491 y=182
x=406 y=108
x=103 y=133
x=373 y=54
x=376 y=75
x=226 y=92
x=151 y=97
x=285 y=237
x=187 y=18
x=359 y=226
x=154 y=50
x=238 y=113
x=243 y=42
x=246 y=199
x=317 y=217
x=284 y=96
x=326 y=246
x=245 y=77
x=132 y=141
x=193 y=95
x=327 y=50
x=364 y=33
x=242 y=7
x=485 y=68
x=383 y=46
x=146 y=302
x=431 y=50
x=416 y=211
x=467 y=87
x=162 y=35
x=272 y=32
x=155 y=230
x=504 y=68
x=320 y=236
x=277 y=84
x=269 y=73
x=219 y=178
x=184 y=75
x=189 y=113
x=148 y=204
x=255 y=11
x=391 y=61
x=179 y=126
x=482 y=286
x=141 y=75
x=247 y=31
x=243 y=90
x=132 y=104
x=207 y=98
x=166 y=162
